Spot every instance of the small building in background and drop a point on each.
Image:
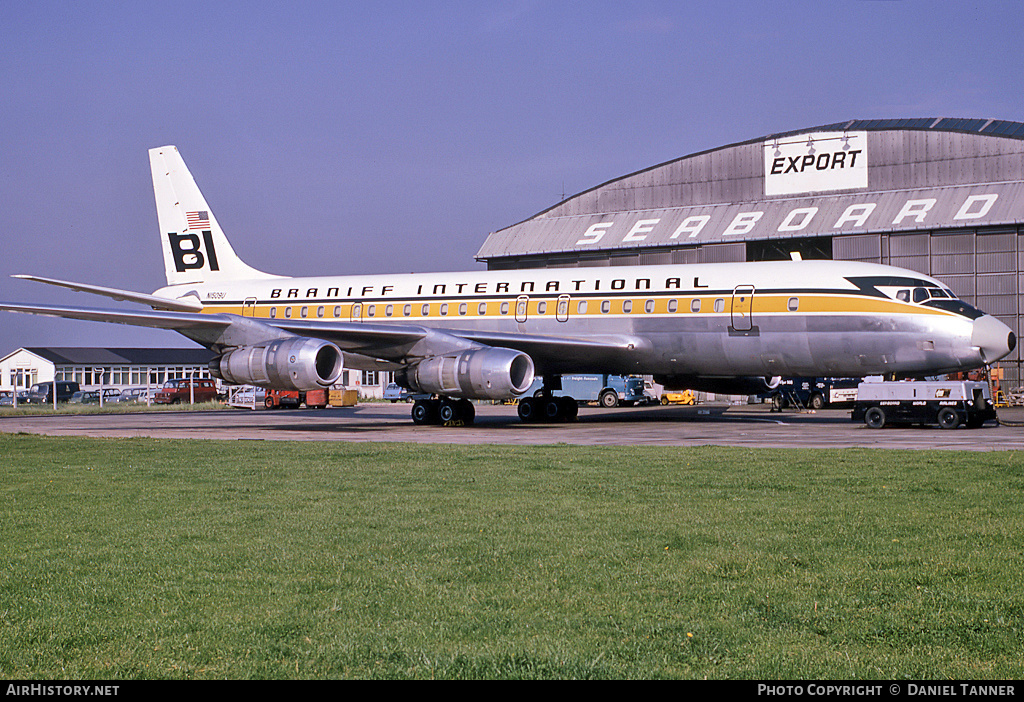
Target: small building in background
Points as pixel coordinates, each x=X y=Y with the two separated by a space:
x=110 y=367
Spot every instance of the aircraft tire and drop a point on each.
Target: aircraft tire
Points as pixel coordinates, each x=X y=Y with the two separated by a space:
x=528 y=409
x=948 y=418
x=424 y=412
x=570 y=410
x=467 y=412
x=875 y=417
x=553 y=409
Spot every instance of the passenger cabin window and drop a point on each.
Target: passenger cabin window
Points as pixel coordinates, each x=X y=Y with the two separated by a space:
x=273 y=313
x=673 y=305
x=649 y=306
x=303 y=312
x=793 y=304
x=504 y=308
x=425 y=312
x=542 y=307
x=371 y=310
x=581 y=307
x=389 y=310
x=444 y=309
x=719 y=304
x=627 y=306
x=287 y=312
x=407 y=310
x=482 y=309
x=695 y=305
x=320 y=311
x=337 y=310
x=463 y=309
x=606 y=306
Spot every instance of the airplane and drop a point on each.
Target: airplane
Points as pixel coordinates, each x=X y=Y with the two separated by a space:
x=731 y=328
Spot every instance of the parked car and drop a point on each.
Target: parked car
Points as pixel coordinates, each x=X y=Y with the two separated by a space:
x=6 y=398
x=42 y=393
x=92 y=397
x=396 y=393
x=178 y=390
x=133 y=395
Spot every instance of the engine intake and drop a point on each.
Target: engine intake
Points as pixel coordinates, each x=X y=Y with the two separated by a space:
x=295 y=363
x=476 y=374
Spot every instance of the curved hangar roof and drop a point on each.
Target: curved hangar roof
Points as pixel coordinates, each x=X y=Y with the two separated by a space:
x=851 y=177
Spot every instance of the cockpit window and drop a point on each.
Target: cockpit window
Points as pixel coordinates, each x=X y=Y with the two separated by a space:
x=920 y=294
x=938 y=292
x=903 y=296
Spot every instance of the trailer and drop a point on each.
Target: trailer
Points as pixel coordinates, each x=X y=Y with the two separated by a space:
x=313 y=399
x=947 y=403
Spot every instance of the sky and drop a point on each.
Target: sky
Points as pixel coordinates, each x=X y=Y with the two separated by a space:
x=332 y=138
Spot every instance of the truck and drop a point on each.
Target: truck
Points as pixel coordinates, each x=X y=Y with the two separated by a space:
x=606 y=390
x=813 y=393
x=948 y=403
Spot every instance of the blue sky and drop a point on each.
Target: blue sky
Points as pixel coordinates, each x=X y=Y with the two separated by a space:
x=334 y=137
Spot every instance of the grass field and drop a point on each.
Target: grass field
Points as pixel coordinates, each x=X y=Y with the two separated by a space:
x=165 y=559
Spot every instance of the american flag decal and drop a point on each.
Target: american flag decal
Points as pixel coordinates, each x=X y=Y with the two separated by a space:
x=198 y=220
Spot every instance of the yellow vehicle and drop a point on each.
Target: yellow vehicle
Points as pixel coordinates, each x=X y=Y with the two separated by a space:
x=685 y=397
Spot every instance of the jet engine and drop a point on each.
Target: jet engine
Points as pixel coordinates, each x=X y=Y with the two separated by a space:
x=294 y=363
x=477 y=374
x=748 y=385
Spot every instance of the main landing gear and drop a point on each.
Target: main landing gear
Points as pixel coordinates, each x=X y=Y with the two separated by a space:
x=548 y=408
x=448 y=411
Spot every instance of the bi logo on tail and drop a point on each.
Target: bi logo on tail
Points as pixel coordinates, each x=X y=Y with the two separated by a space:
x=187 y=249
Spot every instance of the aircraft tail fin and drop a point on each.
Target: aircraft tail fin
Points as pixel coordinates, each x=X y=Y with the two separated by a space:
x=194 y=246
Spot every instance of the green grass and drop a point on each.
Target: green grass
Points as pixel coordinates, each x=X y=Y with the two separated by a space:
x=169 y=559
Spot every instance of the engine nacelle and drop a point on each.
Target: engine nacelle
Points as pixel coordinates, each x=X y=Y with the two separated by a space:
x=294 y=363
x=476 y=374
x=747 y=385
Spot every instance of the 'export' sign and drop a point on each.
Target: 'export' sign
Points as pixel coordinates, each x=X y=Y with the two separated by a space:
x=816 y=162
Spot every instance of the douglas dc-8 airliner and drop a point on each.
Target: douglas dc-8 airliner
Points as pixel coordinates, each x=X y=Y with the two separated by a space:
x=732 y=328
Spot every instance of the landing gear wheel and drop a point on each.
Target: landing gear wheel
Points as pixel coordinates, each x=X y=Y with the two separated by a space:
x=875 y=418
x=424 y=412
x=553 y=409
x=570 y=410
x=948 y=418
x=528 y=409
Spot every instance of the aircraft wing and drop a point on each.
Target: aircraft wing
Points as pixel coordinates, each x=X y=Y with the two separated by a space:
x=176 y=321
x=391 y=342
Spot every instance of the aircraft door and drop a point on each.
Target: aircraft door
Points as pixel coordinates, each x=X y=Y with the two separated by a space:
x=562 y=308
x=742 y=306
x=522 y=305
x=249 y=307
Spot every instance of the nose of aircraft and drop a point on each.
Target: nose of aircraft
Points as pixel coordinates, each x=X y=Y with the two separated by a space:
x=992 y=338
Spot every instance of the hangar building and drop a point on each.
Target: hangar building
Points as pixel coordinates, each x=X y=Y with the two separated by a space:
x=940 y=196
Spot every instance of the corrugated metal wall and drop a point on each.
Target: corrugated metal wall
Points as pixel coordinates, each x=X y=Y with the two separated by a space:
x=982 y=267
